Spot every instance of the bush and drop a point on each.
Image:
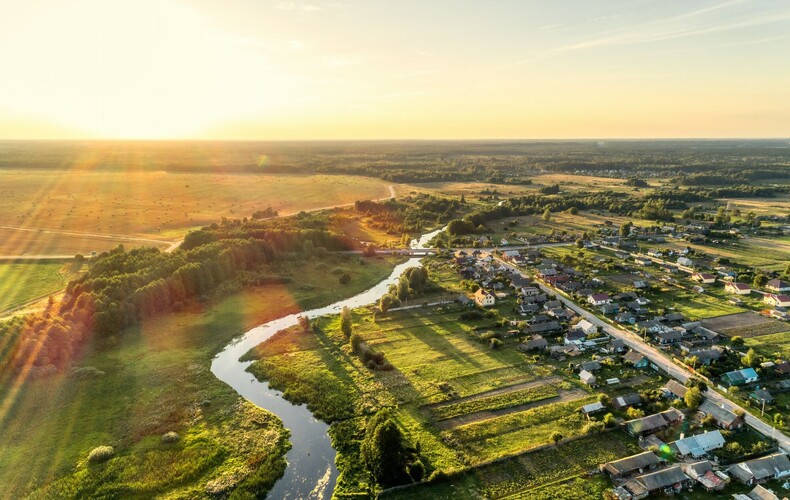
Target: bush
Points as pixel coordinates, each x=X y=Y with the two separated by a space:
x=471 y=316
x=344 y=279
x=101 y=454
x=170 y=437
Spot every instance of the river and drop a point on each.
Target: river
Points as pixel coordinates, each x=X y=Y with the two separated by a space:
x=311 y=471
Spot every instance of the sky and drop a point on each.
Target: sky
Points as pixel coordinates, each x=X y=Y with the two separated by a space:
x=400 y=69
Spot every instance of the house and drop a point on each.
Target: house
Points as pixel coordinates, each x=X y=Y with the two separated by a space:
x=761 y=396
x=626 y=317
x=705 y=278
x=706 y=356
x=703 y=473
x=740 y=377
x=591 y=366
x=548 y=326
x=536 y=343
x=587 y=377
x=530 y=291
x=777 y=286
x=636 y=359
x=699 y=445
x=673 y=389
x=609 y=309
x=643 y=262
x=653 y=423
x=560 y=351
x=724 y=418
x=759 y=470
x=615 y=346
x=685 y=261
x=599 y=299
x=575 y=337
x=737 y=288
x=640 y=284
x=484 y=298
x=585 y=326
x=622 y=402
x=667 y=337
x=593 y=408
x=552 y=304
x=758 y=493
x=627 y=466
x=669 y=480
x=782 y=368
x=777 y=300
x=697 y=289
x=525 y=309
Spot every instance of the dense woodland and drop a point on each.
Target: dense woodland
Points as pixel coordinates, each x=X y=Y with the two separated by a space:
x=122 y=288
x=710 y=163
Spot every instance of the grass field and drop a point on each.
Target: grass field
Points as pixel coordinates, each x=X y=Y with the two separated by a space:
x=772 y=346
x=157 y=205
x=131 y=389
x=534 y=474
x=22 y=282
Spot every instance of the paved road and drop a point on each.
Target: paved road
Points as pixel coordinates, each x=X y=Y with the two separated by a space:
x=658 y=358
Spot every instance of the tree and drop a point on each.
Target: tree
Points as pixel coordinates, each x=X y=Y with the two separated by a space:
x=625 y=229
x=345 y=322
x=752 y=359
x=383 y=450
x=693 y=398
x=759 y=280
x=736 y=341
x=547 y=215
x=463 y=199
x=386 y=302
x=609 y=420
x=556 y=437
x=633 y=413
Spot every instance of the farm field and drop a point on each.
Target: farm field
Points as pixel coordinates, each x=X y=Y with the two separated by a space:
x=532 y=475
x=157 y=205
x=746 y=325
x=25 y=281
x=129 y=390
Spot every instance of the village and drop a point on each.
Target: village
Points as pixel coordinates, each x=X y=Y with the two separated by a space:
x=668 y=339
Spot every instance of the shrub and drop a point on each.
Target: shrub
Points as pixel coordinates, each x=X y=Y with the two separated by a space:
x=101 y=454
x=344 y=279
x=471 y=315
x=170 y=437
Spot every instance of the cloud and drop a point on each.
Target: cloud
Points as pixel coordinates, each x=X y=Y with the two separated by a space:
x=690 y=24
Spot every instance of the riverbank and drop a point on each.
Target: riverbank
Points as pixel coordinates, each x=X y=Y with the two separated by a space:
x=150 y=380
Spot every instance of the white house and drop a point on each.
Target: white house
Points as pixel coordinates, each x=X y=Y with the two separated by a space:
x=599 y=299
x=706 y=278
x=778 y=300
x=777 y=286
x=737 y=288
x=484 y=298
x=587 y=377
x=586 y=327
x=685 y=261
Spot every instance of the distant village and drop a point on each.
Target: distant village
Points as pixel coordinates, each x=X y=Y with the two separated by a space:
x=565 y=312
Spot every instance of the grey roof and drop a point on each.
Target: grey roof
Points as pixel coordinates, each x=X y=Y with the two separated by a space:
x=761 y=493
x=544 y=327
x=592 y=407
x=633 y=463
x=676 y=389
x=653 y=422
x=697 y=469
x=761 y=468
x=662 y=479
x=627 y=400
x=721 y=415
x=591 y=366
x=698 y=445
x=633 y=357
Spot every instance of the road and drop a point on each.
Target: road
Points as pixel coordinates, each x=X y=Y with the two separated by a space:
x=659 y=359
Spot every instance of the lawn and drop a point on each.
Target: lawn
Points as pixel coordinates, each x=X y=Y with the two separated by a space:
x=25 y=281
x=127 y=391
